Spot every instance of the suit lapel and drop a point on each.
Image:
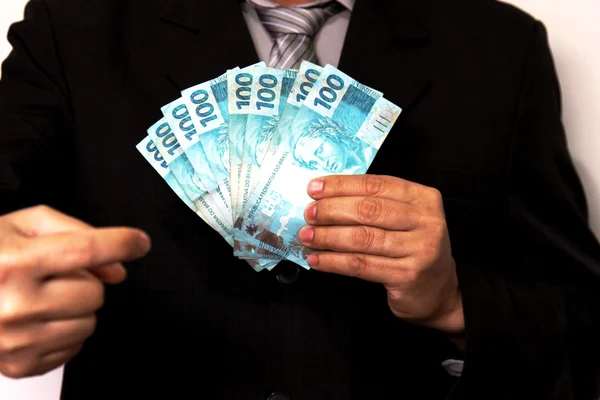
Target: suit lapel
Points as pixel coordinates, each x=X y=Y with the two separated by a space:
x=386 y=47
x=204 y=39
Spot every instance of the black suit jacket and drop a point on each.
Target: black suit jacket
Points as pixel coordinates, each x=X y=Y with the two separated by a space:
x=481 y=123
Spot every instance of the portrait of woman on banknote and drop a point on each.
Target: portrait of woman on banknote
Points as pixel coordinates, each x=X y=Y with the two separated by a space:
x=326 y=146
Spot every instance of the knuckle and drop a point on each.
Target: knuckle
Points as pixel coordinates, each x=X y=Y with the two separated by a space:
x=407 y=266
x=408 y=274
x=373 y=185
x=13 y=256
x=356 y=264
x=13 y=308
x=324 y=209
x=8 y=263
x=412 y=274
x=363 y=238
x=334 y=182
x=17 y=369
x=430 y=251
x=43 y=210
x=437 y=227
x=97 y=297
x=395 y=296
x=86 y=328
x=369 y=210
x=81 y=253
x=92 y=324
x=10 y=345
x=435 y=196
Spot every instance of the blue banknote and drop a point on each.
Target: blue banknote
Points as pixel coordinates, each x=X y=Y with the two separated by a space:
x=206 y=107
x=162 y=151
x=269 y=95
x=338 y=130
x=305 y=79
x=239 y=88
x=148 y=150
x=169 y=148
x=179 y=119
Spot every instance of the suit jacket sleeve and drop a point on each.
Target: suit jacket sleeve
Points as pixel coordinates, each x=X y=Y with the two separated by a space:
x=532 y=305
x=35 y=118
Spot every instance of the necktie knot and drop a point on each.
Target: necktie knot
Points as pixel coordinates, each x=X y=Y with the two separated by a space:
x=293 y=29
x=295 y=20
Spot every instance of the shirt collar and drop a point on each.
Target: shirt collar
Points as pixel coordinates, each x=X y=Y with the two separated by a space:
x=348 y=4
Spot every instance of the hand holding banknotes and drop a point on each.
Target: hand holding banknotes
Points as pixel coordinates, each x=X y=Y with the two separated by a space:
x=238 y=150
x=52 y=270
x=390 y=231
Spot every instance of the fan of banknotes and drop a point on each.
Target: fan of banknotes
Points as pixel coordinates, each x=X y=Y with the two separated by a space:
x=240 y=150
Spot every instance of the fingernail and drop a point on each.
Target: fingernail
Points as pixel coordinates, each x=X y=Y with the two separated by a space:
x=315 y=186
x=312 y=260
x=306 y=235
x=311 y=212
x=143 y=242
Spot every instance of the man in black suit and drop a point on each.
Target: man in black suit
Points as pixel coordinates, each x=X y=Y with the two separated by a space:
x=473 y=242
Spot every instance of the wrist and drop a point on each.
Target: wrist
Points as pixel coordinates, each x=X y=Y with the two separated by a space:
x=453 y=325
x=452 y=320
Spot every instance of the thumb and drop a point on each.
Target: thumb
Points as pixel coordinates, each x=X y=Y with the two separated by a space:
x=43 y=220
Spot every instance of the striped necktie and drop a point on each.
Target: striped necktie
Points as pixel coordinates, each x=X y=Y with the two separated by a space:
x=293 y=30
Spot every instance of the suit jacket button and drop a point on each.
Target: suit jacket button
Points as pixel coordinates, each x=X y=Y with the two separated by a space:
x=278 y=396
x=287 y=273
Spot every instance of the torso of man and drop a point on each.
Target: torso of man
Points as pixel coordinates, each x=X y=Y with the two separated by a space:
x=193 y=321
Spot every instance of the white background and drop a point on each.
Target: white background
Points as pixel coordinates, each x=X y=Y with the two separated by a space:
x=574 y=35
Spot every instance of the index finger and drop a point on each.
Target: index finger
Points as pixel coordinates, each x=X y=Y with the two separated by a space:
x=63 y=252
x=380 y=186
x=44 y=220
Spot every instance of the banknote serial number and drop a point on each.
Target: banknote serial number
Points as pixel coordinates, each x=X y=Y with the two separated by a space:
x=328 y=94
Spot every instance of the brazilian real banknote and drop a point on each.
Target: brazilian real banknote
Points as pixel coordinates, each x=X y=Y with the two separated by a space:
x=192 y=138
x=199 y=122
x=209 y=114
x=268 y=98
x=163 y=152
x=305 y=79
x=148 y=150
x=239 y=88
x=338 y=130
x=166 y=142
